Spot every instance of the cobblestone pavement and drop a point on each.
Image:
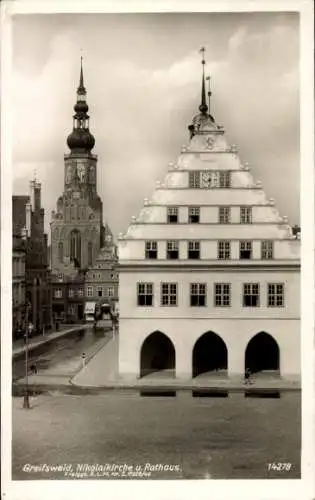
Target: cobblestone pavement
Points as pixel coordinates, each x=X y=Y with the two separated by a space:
x=233 y=437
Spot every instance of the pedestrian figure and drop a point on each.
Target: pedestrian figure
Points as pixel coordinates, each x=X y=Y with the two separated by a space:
x=247 y=376
x=83 y=356
x=34 y=369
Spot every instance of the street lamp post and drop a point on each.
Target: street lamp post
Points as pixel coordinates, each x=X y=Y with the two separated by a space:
x=28 y=329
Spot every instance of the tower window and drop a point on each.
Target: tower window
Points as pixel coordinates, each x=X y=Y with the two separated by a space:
x=246 y=249
x=194 y=180
x=60 y=251
x=145 y=294
x=224 y=249
x=75 y=247
x=172 y=249
x=275 y=295
x=246 y=215
x=151 y=251
x=198 y=294
x=224 y=179
x=168 y=294
x=266 y=250
x=251 y=295
x=194 y=250
x=222 y=294
x=172 y=215
x=224 y=215
x=194 y=215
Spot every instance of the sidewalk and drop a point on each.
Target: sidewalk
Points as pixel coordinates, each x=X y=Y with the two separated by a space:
x=19 y=345
x=101 y=373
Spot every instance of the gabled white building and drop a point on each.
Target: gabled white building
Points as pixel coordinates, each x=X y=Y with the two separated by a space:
x=209 y=270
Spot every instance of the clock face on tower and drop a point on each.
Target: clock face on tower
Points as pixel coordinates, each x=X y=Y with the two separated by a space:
x=206 y=179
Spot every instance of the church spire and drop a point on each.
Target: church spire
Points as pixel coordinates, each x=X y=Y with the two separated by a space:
x=203 y=106
x=81 y=140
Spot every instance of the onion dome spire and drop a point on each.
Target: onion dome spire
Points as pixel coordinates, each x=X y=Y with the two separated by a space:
x=81 y=140
x=203 y=108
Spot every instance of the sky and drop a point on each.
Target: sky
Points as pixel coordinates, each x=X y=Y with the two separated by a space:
x=142 y=73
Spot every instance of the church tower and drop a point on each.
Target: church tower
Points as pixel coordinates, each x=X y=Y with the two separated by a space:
x=77 y=230
x=209 y=271
x=80 y=241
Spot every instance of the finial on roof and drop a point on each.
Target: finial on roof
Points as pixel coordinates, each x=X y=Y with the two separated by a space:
x=81 y=82
x=203 y=106
x=209 y=91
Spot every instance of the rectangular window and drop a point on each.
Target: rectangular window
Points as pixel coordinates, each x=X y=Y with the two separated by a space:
x=194 y=215
x=100 y=291
x=151 y=251
x=172 y=215
x=58 y=293
x=89 y=291
x=224 y=250
x=194 y=180
x=225 y=179
x=246 y=215
x=224 y=215
x=246 y=249
x=71 y=309
x=168 y=294
x=275 y=295
x=250 y=294
x=172 y=249
x=80 y=292
x=194 y=250
x=70 y=292
x=222 y=294
x=198 y=294
x=266 y=250
x=145 y=294
x=110 y=291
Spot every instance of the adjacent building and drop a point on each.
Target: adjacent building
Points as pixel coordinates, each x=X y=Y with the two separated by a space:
x=209 y=270
x=79 y=238
x=31 y=276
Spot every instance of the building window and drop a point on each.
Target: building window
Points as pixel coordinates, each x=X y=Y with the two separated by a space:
x=224 y=215
x=222 y=294
x=275 y=295
x=224 y=250
x=71 y=309
x=60 y=251
x=75 y=247
x=194 y=215
x=100 y=291
x=224 y=179
x=194 y=179
x=60 y=277
x=169 y=294
x=80 y=292
x=90 y=253
x=266 y=250
x=194 y=250
x=110 y=291
x=198 y=294
x=58 y=293
x=172 y=249
x=151 y=251
x=89 y=291
x=246 y=215
x=246 y=249
x=172 y=215
x=145 y=294
x=70 y=292
x=251 y=295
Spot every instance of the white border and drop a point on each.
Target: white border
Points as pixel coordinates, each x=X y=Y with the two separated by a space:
x=242 y=489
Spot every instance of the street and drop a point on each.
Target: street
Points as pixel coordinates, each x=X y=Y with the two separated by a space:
x=220 y=438
x=63 y=355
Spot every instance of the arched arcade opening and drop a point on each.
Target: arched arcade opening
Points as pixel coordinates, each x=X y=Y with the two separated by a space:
x=262 y=354
x=209 y=354
x=157 y=355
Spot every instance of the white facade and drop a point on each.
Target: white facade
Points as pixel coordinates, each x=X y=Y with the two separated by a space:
x=226 y=239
